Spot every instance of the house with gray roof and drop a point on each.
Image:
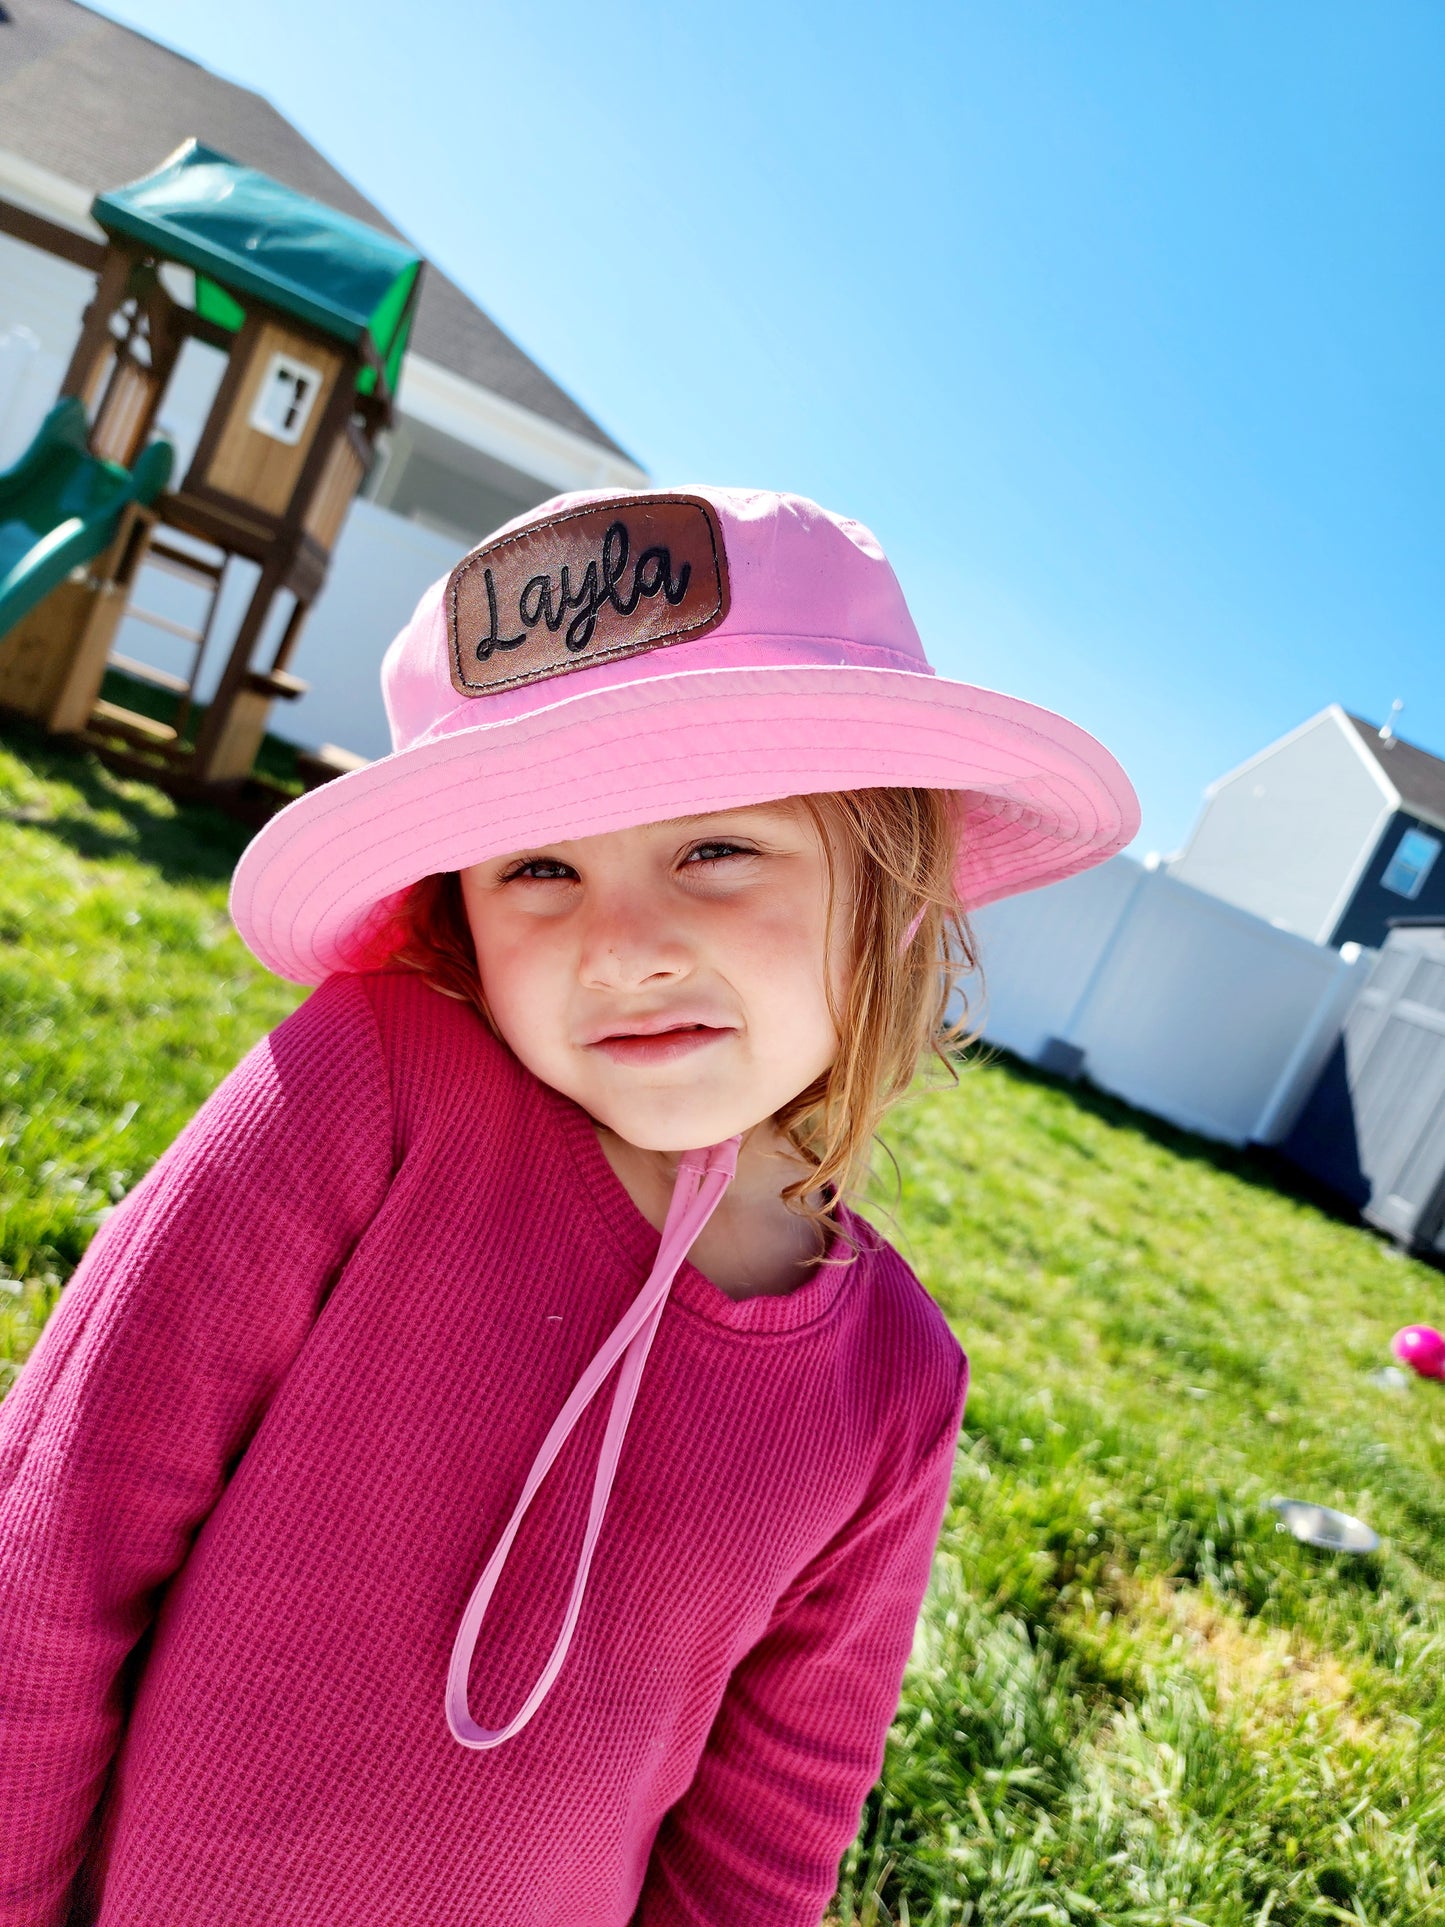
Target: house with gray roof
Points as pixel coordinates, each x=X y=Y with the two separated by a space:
x=1333 y=832
x=481 y=433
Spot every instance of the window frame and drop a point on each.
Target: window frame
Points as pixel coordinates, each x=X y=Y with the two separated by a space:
x=1419 y=869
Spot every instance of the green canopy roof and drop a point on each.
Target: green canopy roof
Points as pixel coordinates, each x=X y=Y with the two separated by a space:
x=247 y=235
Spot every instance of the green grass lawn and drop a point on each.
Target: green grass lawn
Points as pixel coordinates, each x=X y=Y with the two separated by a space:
x=1132 y=1699
x=125 y=996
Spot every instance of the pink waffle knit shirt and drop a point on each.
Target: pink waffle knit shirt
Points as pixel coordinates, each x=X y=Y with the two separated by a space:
x=269 y=1437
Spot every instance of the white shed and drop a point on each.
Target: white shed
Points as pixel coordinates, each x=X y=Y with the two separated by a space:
x=1331 y=832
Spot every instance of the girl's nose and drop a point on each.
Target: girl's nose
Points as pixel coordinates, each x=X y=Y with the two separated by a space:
x=630 y=942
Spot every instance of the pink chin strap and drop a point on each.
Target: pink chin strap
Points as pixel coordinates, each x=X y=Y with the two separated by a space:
x=702 y=1178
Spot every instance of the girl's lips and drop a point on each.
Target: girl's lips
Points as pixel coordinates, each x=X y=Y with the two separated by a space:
x=661 y=1046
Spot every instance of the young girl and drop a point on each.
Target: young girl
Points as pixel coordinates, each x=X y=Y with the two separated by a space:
x=397 y=1526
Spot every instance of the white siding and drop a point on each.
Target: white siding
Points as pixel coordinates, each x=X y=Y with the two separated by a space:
x=1286 y=835
x=41 y=301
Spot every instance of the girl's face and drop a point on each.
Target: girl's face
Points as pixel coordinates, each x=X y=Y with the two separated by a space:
x=672 y=980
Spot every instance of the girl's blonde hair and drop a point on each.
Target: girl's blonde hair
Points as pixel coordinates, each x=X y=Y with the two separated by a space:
x=911 y=945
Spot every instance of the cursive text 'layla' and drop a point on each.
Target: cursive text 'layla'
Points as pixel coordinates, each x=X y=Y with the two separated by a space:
x=603 y=584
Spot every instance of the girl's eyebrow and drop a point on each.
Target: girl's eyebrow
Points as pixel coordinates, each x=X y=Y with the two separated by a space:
x=743 y=809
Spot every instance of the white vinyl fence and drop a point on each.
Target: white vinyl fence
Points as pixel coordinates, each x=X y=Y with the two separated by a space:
x=1180 y=1003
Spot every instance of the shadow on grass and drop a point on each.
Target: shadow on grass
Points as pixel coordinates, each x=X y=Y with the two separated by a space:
x=196 y=844
x=1258 y=1165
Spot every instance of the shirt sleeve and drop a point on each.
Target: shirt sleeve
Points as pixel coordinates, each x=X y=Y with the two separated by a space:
x=798 y=1741
x=148 y=1382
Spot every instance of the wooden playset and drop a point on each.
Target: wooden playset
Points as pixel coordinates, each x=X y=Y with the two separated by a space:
x=312 y=311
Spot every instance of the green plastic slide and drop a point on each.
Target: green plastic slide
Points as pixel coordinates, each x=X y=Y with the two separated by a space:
x=60 y=506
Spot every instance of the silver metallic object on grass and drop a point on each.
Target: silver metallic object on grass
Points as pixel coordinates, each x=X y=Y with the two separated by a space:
x=1321 y=1525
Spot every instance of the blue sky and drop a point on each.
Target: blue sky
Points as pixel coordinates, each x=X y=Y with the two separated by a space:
x=1122 y=324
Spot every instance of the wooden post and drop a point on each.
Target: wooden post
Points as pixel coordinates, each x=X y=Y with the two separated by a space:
x=233 y=461
x=219 y=747
x=95 y=336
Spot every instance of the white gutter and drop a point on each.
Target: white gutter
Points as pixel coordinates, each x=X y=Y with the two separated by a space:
x=39 y=191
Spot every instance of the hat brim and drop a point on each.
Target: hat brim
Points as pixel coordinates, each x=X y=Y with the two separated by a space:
x=1045 y=800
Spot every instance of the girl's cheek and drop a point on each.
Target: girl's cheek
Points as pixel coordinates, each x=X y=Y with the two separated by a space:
x=532 y=987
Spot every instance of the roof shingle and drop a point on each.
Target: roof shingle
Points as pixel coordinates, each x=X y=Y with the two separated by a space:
x=1416 y=774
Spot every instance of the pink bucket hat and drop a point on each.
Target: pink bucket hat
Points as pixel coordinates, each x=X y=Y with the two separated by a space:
x=608 y=660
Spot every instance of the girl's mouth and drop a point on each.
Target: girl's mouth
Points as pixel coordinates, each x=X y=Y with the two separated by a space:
x=660 y=1046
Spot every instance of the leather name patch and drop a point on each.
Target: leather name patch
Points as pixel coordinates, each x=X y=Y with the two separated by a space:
x=593 y=583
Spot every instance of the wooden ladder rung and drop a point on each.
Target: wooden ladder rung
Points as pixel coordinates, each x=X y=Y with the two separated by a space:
x=130 y=722
x=171 y=628
x=147 y=672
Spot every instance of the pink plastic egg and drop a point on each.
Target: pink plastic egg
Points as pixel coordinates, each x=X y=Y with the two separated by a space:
x=1422 y=1348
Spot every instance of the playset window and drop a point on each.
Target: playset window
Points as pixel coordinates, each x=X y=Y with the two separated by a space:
x=285 y=399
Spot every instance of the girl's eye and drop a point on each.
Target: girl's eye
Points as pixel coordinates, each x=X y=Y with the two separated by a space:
x=716 y=852
x=541 y=869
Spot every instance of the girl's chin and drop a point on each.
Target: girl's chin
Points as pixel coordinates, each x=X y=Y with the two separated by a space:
x=667 y=1128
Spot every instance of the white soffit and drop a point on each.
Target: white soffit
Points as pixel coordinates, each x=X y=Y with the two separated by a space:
x=39 y=191
x=508 y=432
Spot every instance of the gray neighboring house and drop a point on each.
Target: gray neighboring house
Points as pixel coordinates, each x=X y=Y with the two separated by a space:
x=1331 y=832
x=481 y=434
